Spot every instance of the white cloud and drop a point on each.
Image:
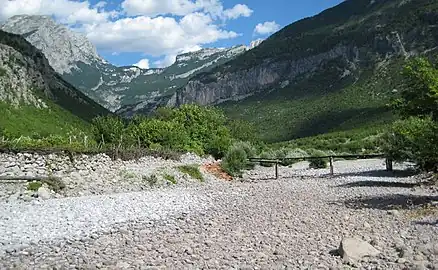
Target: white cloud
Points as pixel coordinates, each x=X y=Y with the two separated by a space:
x=266 y=28
x=143 y=63
x=65 y=11
x=156 y=36
x=153 y=8
x=237 y=11
x=166 y=61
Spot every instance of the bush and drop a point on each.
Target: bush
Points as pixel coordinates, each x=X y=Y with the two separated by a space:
x=318 y=163
x=294 y=153
x=267 y=155
x=236 y=159
x=108 y=129
x=170 y=135
x=414 y=139
x=192 y=171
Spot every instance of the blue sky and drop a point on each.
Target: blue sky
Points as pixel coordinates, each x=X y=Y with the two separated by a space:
x=150 y=33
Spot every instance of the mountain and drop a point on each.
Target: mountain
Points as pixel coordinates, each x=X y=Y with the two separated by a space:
x=333 y=71
x=33 y=97
x=76 y=59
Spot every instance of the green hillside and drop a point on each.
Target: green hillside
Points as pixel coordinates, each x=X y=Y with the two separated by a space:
x=34 y=100
x=363 y=46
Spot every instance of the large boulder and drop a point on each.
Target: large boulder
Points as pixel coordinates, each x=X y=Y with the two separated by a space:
x=354 y=250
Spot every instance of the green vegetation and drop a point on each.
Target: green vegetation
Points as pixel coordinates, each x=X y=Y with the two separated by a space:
x=236 y=158
x=190 y=128
x=34 y=185
x=193 y=171
x=415 y=137
x=309 y=109
x=152 y=179
x=39 y=123
x=170 y=178
x=54 y=183
x=127 y=174
x=318 y=163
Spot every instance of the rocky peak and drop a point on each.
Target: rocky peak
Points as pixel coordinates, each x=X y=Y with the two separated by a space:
x=63 y=47
x=255 y=43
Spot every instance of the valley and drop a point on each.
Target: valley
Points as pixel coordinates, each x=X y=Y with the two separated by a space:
x=246 y=155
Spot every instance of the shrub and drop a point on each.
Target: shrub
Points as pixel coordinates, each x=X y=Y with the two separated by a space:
x=108 y=129
x=219 y=143
x=193 y=171
x=294 y=153
x=267 y=155
x=236 y=158
x=414 y=139
x=318 y=163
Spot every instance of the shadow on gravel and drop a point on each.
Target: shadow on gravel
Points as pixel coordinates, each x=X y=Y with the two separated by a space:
x=381 y=173
x=389 y=202
x=379 y=184
x=430 y=223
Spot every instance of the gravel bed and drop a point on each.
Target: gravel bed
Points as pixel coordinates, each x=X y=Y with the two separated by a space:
x=295 y=222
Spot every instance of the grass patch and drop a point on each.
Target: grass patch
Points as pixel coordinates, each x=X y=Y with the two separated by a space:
x=34 y=186
x=54 y=183
x=152 y=180
x=127 y=174
x=193 y=171
x=170 y=178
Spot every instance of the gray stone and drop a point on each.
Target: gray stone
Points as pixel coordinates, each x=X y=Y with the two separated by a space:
x=44 y=193
x=394 y=212
x=353 y=250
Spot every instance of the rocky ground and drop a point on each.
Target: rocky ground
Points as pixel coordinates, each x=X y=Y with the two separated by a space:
x=257 y=222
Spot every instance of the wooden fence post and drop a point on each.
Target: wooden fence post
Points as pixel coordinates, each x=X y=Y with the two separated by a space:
x=331 y=166
x=276 y=169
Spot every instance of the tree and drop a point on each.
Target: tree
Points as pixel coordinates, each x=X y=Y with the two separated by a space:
x=419 y=96
x=108 y=129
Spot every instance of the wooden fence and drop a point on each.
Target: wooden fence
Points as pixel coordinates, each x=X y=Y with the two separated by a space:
x=331 y=158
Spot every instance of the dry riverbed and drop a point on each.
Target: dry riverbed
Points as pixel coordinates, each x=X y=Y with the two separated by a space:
x=295 y=222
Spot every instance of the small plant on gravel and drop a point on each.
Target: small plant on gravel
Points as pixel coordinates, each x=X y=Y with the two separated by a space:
x=54 y=183
x=151 y=179
x=34 y=185
x=236 y=158
x=193 y=171
x=126 y=174
x=170 y=178
x=318 y=163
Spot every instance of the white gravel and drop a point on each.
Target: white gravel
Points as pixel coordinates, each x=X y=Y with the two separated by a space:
x=295 y=222
x=24 y=223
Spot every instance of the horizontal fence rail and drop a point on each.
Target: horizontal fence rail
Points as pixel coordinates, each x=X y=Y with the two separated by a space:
x=331 y=158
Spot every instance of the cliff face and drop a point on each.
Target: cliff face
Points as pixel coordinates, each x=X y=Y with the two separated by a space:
x=63 y=48
x=359 y=35
x=27 y=78
x=241 y=84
